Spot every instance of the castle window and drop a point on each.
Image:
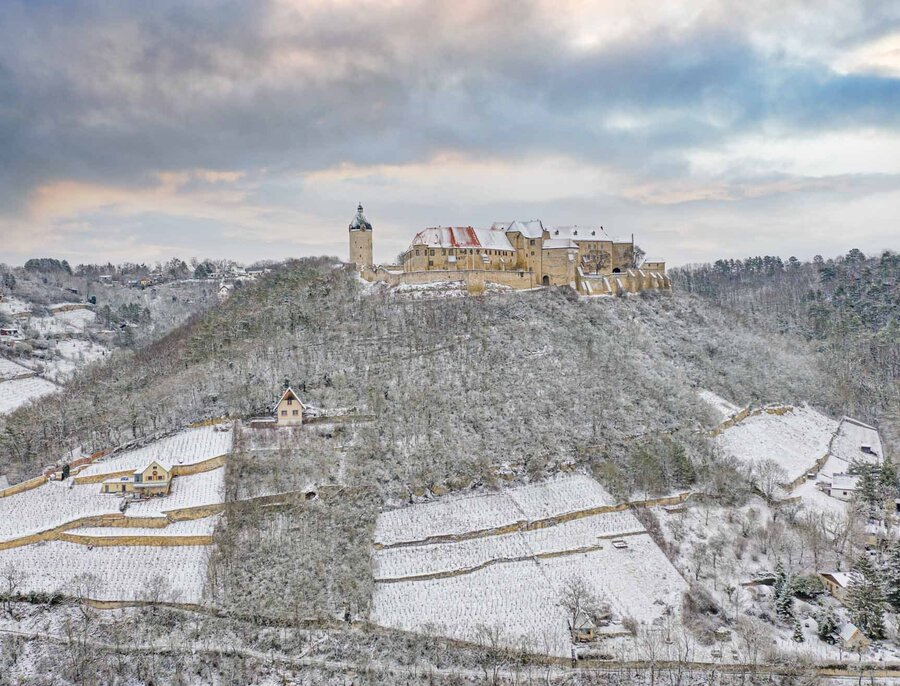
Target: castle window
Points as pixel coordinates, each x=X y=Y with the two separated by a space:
x=531 y=242
x=430 y=263
x=432 y=253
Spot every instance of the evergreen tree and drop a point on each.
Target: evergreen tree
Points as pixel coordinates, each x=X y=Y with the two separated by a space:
x=891 y=578
x=782 y=593
x=865 y=599
x=827 y=622
x=798 y=633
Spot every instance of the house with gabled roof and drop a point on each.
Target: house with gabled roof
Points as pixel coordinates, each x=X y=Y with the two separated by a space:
x=154 y=479
x=289 y=409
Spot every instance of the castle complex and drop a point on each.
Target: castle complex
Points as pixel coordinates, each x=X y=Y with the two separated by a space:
x=519 y=254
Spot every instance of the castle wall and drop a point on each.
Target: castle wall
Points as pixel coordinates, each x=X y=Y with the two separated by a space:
x=471 y=277
x=422 y=258
x=559 y=267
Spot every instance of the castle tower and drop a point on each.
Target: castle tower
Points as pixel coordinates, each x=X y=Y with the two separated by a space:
x=361 y=240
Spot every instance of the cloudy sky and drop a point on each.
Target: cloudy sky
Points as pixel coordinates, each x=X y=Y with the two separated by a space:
x=142 y=130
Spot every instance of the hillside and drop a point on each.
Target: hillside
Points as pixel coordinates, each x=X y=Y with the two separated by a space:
x=458 y=385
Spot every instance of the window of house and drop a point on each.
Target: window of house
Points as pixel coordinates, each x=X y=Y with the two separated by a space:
x=284 y=413
x=290 y=401
x=296 y=412
x=430 y=263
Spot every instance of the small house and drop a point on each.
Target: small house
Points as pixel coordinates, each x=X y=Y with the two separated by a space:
x=843 y=486
x=851 y=638
x=837 y=583
x=289 y=409
x=154 y=479
x=584 y=629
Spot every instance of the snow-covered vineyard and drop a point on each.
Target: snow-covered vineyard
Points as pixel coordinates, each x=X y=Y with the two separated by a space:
x=151 y=552
x=14 y=393
x=187 y=447
x=513 y=581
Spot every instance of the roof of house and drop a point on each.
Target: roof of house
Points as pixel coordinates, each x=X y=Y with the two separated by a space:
x=533 y=228
x=289 y=391
x=844 y=482
x=557 y=243
x=851 y=435
x=462 y=237
x=581 y=233
x=842 y=579
x=848 y=631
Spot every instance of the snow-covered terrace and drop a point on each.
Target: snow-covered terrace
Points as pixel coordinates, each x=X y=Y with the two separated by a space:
x=184 y=448
x=796 y=439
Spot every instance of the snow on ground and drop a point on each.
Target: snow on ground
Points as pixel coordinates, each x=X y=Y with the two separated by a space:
x=851 y=436
x=817 y=500
x=186 y=447
x=191 y=527
x=724 y=408
x=197 y=490
x=457 y=515
x=795 y=440
x=14 y=306
x=10 y=370
x=55 y=503
x=513 y=581
x=18 y=392
x=73 y=353
x=172 y=573
x=444 y=557
x=78 y=319
x=49 y=506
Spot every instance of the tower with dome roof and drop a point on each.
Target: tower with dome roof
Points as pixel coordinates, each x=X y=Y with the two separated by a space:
x=360 y=240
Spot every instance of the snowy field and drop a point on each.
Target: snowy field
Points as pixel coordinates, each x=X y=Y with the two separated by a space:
x=850 y=438
x=12 y=306
x=172 y=574
x=73 y=354
x=457 y=515
x=55 y=503
x=722 y=407
x=49 y=506
x=513 y=581
x=795 y=440
x=77 y=319
x=198 y=490
x=434 y=558
x=186 y=447
x=10 y=370
x=191 y=527
x=18 y=392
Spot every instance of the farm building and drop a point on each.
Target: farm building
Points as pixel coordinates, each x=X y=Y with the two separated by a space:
x=289 y=409
x=843 y=486
x=852 y=638
x=154 y=479
x=836 y=583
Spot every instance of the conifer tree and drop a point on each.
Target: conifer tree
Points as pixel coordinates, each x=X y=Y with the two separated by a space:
x=827 y=622
x=865 y=599
x=891 y=578
x=798 y=633
x=782 y=593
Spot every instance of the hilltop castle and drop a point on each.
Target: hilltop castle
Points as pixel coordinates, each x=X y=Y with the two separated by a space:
x=520 y=254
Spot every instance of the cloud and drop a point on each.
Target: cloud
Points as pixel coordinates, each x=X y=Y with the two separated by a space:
x=266 y=121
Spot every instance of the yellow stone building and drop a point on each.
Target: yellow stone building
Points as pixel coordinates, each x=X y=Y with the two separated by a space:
x=154 y=479
x=520 y=254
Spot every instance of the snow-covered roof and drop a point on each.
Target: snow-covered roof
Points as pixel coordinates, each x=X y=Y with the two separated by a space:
x=842 y=579
x=462 y=237
x=360 y=223
x=847 y=631
x=557 y=243
x=580 y=233
x=289 y=391
x=850 y=438
x=844 y=482
x=533 y=228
